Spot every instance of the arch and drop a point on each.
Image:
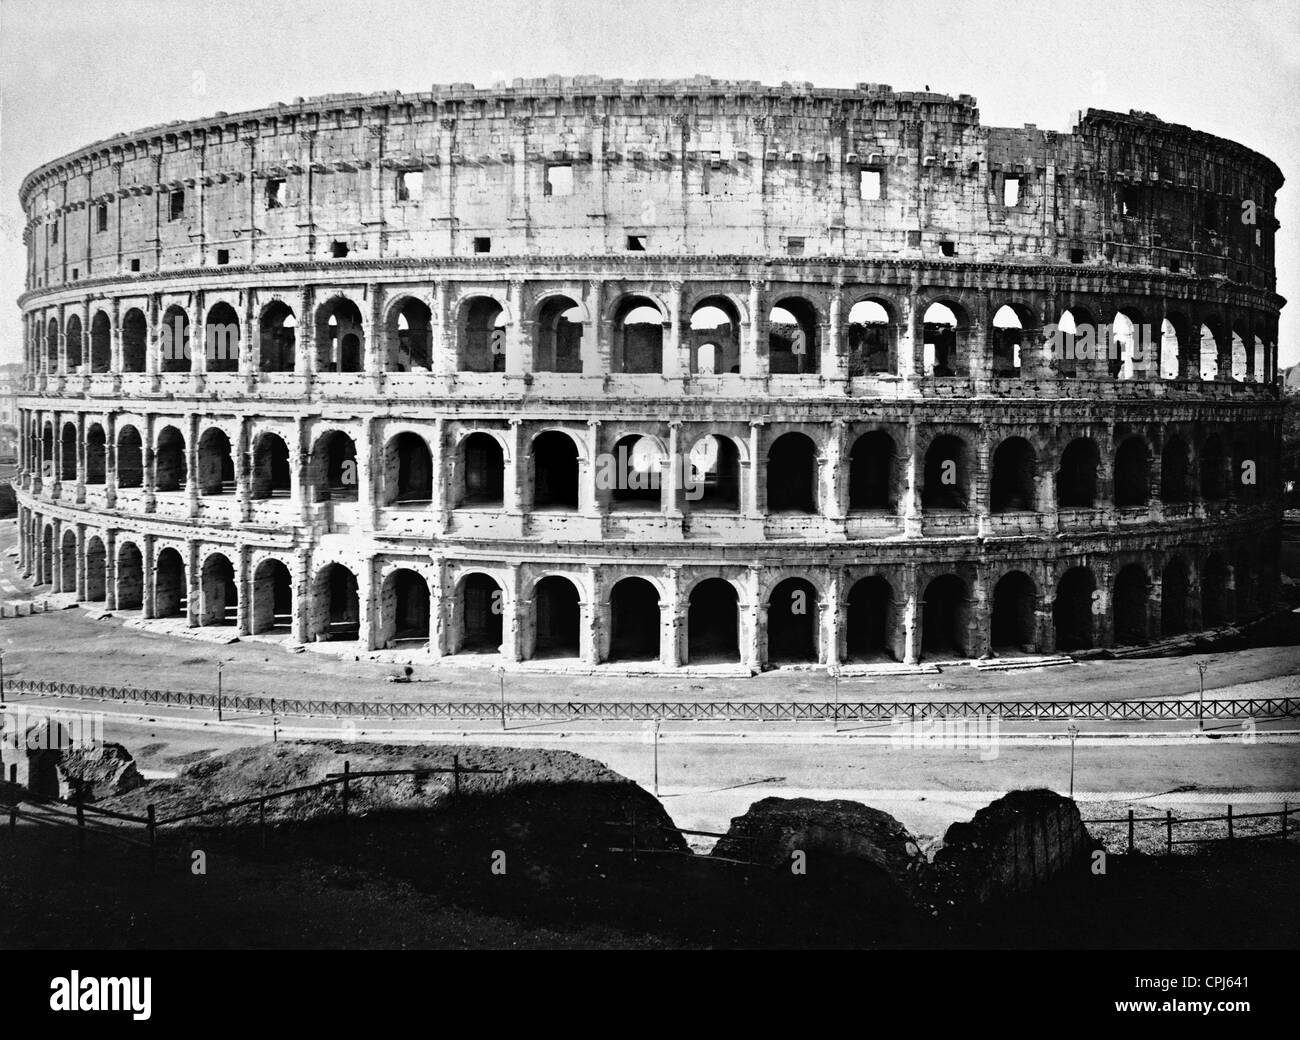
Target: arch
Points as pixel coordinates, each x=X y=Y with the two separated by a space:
x=52 y=345
x=1012 y=623
x=170 y=471
x=219 y=592
x=170 y=590
x=946 y=478
x=555 y=471
x=942 y=332
x=270 y=476
x=638 y=335
x=332 y=468
x=101 y=343
x=870 y=620
x=1214 y=462
x=68 y=452
x=1076 y=477
x=408 y=470
x=49 y=465
x=480 y=471
x=1132 y=593
x=792 y=622
x=481 y=335
x=272 y=598
x=1173 y=597
x=1209 y=353
x=174 y=347
x=404 y=608
x=557 y=623
x=221 y=333
x=1214 y=591
x=1175 y=464
x=714 y=480
x=713 y=623
x=1132 y=473
x=634 y=621
x=714 y=324
x=792 y=474
x=1072 y=610
x=945 y=618
x=277 y=338
x=96 y=455
x=96 y=569
x=793 y=337
x=1008 y=340
x=1015 y=470
x=480 y=606
x=130 y=458
x=1170 y=352
x=410 y=338
x=216 y=467
x=637 y=466
x=72 y=343
x=340 y=336
x=135 y=335
x=557 y=343
x=68 y=561
x=335 y=606
x=873 y=473
x=872 y=337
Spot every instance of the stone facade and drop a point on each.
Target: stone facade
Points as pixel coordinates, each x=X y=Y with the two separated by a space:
x=418 y=370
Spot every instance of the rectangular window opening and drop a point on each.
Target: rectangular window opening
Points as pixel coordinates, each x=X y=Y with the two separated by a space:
x=637 y=243
x=483 y=245
x=794 y=246
x=559 y=179
x=135 y=265
x=869 y=183
x=223 y=256
x=948 y=248
x=101 y=217
x=176 y=205
x=1011 y=189
x=338 y=250
x=410 y=185
x=273 y=187
x=1076 y=256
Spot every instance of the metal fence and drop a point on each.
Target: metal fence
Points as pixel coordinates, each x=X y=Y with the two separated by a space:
x=1230 y=821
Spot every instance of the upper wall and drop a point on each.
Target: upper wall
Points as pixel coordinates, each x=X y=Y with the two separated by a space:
x=678 y=167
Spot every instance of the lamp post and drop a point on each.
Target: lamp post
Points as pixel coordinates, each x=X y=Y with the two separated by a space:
x=1073 y=730
x=656 y=743
x=219 y=665
x=2 y=676
x=501 y=674
x=835 y=688
x=1200 y=705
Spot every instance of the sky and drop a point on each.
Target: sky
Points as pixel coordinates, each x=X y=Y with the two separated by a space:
x=76 y=71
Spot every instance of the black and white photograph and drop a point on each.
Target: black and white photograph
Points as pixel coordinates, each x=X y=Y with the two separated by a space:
x=558 y=476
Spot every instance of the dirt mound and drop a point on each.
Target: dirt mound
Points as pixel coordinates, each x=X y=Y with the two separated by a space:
x=1019 y=842
x=98 y=772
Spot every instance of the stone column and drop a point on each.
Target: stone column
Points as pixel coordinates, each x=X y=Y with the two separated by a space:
x=594 y=360
x=110 y=570
x=911 y=616
x=753 y=352
x=670 y=491
x=832 y=628
x=753 y=645
x=912 y=483
x=756 y=491
x=367 y=613
x=148 y=578
x=671 y=622
x=516 y=334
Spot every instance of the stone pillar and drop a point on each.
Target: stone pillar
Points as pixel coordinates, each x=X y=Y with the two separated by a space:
x=835 y=366
x=516 y=335
x=756 y=490
x=908 y=341
x=978 y=636
x=148 y=577
x=80 y=550
x=753 y=639
x=833 y=632
x=912 y=483
x=514 y=619
x=911 y=616
x=753 y=352
x=514 y=475
x=242 y=452
x=670 y=472
x=110 y=570
x=671 y=622
x=593 y=499
x=192 y=463
x=367 y=612
x=194 y=585
x=677 y=362
x=301 y=577
x=833 y=476
x=244 y=581
x=594 y=360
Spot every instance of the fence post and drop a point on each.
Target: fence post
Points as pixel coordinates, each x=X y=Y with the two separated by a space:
x=1169 y=832
x=1130 y=832
x=153 y=837
x=1230 y=823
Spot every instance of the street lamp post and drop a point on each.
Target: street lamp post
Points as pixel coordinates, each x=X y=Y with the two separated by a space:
x=219 y=664
x=501 y=674
x=656 y=743
x=1073 y=730
x=1201 y=666
x=2 y=676
x=835 y=686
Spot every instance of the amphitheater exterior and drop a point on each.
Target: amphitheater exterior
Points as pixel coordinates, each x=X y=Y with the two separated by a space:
x=416 y=371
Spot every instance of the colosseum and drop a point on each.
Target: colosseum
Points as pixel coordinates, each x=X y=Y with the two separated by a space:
x=623 y=375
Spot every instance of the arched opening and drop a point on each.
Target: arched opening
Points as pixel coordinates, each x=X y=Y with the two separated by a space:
x=271 y=477
x=715 y=337
x=410 y=343
x=221 y=339
x=713 y=623
x=637 y=463
x=559 y=336
x=1170 y=359
x=482 y=472
x=945 y=618
x=96 y=455
x=1008 y=342
x=169 y=461
x=135 y=335
x=870 y=620
x=1214 y=592
x=1209 y=354
x=482 y=604
x=1174 y=465
x=939 y=340
x=1012 y=626
x=1131 y=595
x=170 y=591
x=1015 y=468
x=174 y=345
x=1124 y=349
x=46 y=570
x=1214 y=478
x=1132 y=473
x=336 y=605
x=101 y=343
x=130 y=577
x=340 y=337
x=792 y=474
x=1076 y=478
x=945 y=482
x=555 y=471
x=481 y=336
x=405 y=608
x=870 y=339
x=873 y=473
x=72 y=343
x=634 y=621
x=278 y=338
x=558 y=614
x=408 y=470
x=793 y=340
x=52 y=345
x=130 y=458
x=272 y=598
x=68 y=562
x=715 y=475
x=638 y=336
x=216 y=468
x=1072 y=613
x=96 y=569
x=68 y=453
x=332 y=473
x=220 y=592
x=792 y=616
x=49 y=465
x=1076 y=341
x=1173 y=598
